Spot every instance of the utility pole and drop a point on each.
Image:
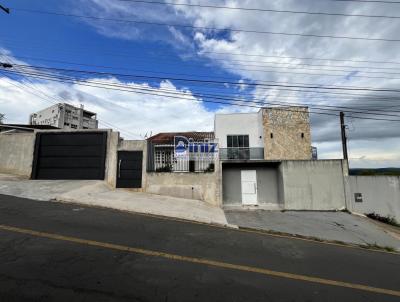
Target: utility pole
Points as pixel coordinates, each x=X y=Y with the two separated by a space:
x=344 y=137
x=7 y=10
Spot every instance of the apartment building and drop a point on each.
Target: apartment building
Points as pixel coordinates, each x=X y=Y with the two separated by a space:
x=65 y=116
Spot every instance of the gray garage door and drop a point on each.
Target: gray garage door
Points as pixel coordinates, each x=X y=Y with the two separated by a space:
x=69 y=155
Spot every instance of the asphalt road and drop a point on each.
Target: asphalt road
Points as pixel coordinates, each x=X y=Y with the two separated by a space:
x=62 y=252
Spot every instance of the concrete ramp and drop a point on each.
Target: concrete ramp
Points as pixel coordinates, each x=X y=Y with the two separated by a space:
x=98 y=193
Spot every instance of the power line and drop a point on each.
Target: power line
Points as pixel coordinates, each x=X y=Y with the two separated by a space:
x=6 y=9
x=140 y=91
x=368 y=1
x=376 y=98
x=202 y=52
x=178 y=74
x=210 y=81
x=206 y=28
x=253 y=9
x=228 y=61
x=53 y=100
x=297 y=90
x=154 y=94
x=282 y=87
x=348 y=73
x=299 y=58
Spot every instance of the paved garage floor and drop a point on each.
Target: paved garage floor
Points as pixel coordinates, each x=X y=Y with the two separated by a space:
x=335 y=226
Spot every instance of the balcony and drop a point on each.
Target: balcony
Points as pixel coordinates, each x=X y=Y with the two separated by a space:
x=241 y=153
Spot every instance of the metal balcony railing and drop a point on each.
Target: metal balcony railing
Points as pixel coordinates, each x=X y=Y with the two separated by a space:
x=241 y=153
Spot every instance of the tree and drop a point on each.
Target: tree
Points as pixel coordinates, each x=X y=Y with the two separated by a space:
x=2 y=117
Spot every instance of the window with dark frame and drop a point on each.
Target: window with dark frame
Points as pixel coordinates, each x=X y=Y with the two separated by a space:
x=237 y=141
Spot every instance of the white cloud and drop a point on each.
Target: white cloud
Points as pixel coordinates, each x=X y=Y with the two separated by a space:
x=134 y=113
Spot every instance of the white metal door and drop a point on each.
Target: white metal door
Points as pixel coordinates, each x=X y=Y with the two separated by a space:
x=249 y=187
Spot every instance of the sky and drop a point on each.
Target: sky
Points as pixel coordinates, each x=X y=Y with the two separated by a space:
x=128 y=44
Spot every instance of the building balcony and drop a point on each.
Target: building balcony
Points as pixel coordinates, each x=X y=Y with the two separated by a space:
x=241 y=153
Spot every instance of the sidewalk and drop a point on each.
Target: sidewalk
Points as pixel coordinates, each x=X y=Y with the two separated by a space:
x=97 y=193
x=327 y=226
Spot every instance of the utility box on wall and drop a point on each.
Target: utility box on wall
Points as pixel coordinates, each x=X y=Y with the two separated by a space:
x=358 y=197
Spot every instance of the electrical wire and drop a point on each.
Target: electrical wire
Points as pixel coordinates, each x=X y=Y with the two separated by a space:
x=187 y=26
x=253 y=9
x=106 y=86
x=254 y=84
x=53 y=100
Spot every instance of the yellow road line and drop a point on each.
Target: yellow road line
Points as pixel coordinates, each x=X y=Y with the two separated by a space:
x=219 y=264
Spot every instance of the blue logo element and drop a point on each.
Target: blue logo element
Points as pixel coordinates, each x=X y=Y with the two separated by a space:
x=184 y=145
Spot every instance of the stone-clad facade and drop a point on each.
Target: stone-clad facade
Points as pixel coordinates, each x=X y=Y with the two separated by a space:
x=287 y=134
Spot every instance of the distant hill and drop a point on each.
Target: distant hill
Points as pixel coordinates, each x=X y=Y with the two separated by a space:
x=380 y=171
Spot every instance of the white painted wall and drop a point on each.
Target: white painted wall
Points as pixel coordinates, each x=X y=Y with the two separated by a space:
x=240 y=124
x=380 y=194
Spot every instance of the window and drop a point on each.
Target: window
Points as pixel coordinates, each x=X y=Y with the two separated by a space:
x=237 y=141
x=74 y=126
x=164 y=160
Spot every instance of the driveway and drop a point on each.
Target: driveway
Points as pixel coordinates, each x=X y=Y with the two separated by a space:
x=332 y=226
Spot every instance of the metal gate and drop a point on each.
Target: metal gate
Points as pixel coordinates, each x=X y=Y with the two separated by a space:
x=69 y=155
x=129 y=169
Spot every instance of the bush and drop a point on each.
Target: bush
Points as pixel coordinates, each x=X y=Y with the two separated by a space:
x=388 y=220
x=166 y=168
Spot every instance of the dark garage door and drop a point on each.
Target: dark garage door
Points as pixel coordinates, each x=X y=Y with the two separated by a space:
x=79 y=155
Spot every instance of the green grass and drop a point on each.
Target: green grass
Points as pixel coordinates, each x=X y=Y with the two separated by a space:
x=378 y=247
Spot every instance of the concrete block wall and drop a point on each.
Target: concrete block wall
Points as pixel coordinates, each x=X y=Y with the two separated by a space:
x=313 y=185
x=16 y=153
x=380 y=194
